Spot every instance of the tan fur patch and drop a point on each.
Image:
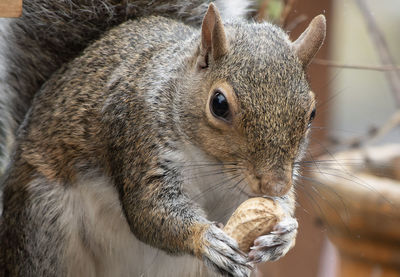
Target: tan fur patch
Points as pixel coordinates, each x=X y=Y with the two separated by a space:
x=197 y=243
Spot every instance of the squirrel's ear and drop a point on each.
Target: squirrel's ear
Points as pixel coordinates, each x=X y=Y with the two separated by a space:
x=310 y=41
x=213 y=39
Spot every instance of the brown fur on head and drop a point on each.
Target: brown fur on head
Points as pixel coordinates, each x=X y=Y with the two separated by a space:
x=262 y=85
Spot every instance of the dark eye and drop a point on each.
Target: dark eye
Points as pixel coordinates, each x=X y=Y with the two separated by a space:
x=219 y=105
x=312 y=116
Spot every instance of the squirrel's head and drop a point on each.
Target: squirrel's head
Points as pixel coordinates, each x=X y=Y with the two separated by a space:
x=252 y=98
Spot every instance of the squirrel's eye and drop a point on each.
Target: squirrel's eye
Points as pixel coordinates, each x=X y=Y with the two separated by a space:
x=219 y=105
x=312 y=116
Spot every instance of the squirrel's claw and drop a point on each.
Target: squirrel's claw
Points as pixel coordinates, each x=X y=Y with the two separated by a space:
x=276 y=244
x=221 y=253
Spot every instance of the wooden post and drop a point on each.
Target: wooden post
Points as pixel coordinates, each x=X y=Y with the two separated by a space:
x=362 y=212
x=10 y=8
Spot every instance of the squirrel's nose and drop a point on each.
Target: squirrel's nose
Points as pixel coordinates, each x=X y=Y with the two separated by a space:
x=275 y=184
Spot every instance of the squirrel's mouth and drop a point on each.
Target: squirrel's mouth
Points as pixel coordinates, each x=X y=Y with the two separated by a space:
x=268 y=184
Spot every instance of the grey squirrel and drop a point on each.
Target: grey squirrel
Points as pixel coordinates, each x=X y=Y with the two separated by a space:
x=136 y=137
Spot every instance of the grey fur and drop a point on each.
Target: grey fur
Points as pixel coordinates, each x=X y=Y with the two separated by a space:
x=127 y=108
x=51 y=33
x=276 y=244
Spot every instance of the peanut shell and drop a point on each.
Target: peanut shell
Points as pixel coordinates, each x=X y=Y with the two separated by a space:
x=253 y=218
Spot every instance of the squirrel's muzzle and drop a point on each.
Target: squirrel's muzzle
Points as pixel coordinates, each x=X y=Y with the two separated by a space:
x=275 y=186
x=272 y=182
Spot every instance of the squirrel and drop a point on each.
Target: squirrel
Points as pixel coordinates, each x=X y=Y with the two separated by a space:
x=134 y=128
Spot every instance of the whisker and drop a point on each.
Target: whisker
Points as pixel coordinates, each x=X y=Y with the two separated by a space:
x=212 y=188
x=200 y=164
x=328 y=188
x=211 y=173
x=356 y=180
x=227 y=212
x=328 y=161
x=321 y=212
x=237 y=200
x=360 y=182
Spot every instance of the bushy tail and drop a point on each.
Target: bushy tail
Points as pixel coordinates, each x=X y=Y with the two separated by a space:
x=52 y=32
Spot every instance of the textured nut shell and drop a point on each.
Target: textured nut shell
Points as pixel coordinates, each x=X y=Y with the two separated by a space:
x=253 y=218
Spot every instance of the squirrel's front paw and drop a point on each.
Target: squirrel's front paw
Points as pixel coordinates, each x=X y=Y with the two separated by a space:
x=276 y=244
x=222 y=253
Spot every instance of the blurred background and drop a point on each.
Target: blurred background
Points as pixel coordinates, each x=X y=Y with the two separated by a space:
x=356 y=77
x=348 y=202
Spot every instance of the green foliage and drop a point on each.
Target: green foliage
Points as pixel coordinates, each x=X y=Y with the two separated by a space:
x=275 y=9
